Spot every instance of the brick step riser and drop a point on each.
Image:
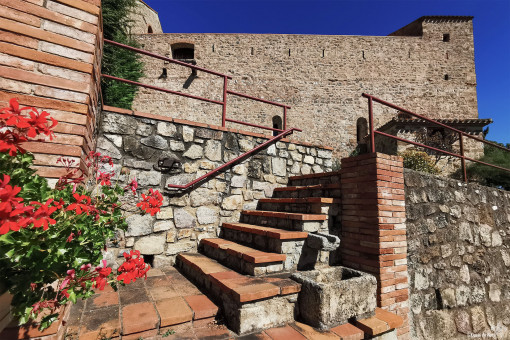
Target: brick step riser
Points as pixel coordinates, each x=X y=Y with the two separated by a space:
x=301 y=208
x=291 y=248
x=287 y=224
x=302 y=193
x=314 y=181
x=239 y=264
x=248 y=317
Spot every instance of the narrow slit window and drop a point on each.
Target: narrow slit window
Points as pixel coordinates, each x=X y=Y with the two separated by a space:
x=149 y=30
x=446 y=37
x=277 y=124
x=446 y=77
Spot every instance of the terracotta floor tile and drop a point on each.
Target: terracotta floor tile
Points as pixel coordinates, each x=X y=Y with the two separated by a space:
x=139 y=317
x=142 y=335
x=310 y=333
x=131 y=296
x=212 y=333
x=155 y=272
x=201 y=305
x=138 y=284
x=372 y=326
x=184 y=331
x=392 y=319
x=258 y=336
x=102 y=300
x=348 y=332
x=162 y=293
x=157 y=281
x=173 y=311
x=284 y=333
x=99 y=323
x=207 y=322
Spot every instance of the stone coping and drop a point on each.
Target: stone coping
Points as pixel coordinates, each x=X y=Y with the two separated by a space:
x=208 y=126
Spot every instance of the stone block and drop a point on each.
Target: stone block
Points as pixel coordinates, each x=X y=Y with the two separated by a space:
x=184 y=219
x=166 y=129
x=139 y=225
x=151 y=245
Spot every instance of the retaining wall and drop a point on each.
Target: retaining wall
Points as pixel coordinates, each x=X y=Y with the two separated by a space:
x=459 y=258
x=136 y=141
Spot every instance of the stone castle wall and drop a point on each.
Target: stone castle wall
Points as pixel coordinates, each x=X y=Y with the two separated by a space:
x=321 y=77
x=459 y=258
x=143 y=17
x=137 y=141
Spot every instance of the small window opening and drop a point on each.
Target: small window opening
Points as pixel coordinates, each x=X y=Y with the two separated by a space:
x=289 y=52
x=446 y=37
x=252 y=51
x=183 y=51
x=277 y=124
x=361 y=130
x=446 y=77
x=164 y=74
x=363 y=54
x=149 y=30
x=323 y=53
x=213 y=47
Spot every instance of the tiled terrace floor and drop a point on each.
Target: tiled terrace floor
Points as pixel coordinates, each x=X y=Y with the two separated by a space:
x=168 y=306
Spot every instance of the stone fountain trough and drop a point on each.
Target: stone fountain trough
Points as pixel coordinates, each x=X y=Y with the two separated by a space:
x=331 y=296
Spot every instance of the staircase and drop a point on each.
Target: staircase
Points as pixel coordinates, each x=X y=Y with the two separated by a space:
x=246 y=270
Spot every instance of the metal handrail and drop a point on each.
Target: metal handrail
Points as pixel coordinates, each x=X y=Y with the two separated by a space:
x=235 y=160
x=226 y=91
x=461 y=134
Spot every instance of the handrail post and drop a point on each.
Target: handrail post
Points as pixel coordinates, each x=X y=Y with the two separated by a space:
x=463 y=158
x=224 y=114
x=285 y=118
x=371 y=125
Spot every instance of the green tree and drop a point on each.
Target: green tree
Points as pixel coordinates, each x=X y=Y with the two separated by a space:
x=117 y=61
x=490 y=176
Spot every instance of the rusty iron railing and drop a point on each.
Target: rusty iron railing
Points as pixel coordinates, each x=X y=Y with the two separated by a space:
x=226 y=91
x=281 y=133
x=235 y=160
x=461 y=134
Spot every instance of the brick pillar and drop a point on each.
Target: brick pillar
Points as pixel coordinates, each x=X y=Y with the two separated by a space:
x=373 y=227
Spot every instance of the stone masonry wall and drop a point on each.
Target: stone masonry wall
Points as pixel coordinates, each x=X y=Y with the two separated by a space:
x=136 y=141
x=50 y=58
x=320 y=77
x=142 y=17
x=459 y=258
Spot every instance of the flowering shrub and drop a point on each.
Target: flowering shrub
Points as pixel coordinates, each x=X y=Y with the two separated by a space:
x=419 y=161
x=51 y=240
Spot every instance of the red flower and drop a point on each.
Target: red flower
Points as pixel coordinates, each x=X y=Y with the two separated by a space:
x=85 y=207
x=39 y=123
x=133 y=185
x=104 y=178
x=70 y=238
x=133 y=268
x=100 y=280
x=151 y=203
x=41 y=217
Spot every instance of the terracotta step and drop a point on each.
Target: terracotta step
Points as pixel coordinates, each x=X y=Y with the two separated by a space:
x=242 y=258
x=304 y=200
x=303 y=205
x=317 y=175
x=286 y=215
x=302 y=191
x=249 y=303
x=286 y=221
x=276 y=233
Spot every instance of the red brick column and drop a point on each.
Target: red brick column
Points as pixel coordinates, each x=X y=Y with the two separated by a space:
x=374 y=229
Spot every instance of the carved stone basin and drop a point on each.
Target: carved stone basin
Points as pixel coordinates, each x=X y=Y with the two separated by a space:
x=330 y=296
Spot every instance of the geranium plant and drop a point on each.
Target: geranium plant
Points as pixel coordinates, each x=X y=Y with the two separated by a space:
x=52 y=240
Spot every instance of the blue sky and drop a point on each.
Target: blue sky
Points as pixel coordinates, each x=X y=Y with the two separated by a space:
x=362 y=17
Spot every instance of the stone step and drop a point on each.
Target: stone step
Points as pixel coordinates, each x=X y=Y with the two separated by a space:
x=317 y=190
x=318 y=178
x=268 y=239
x=242 y=258
x=305 y=205
x=249 y=304
x=287 y=221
